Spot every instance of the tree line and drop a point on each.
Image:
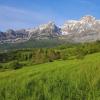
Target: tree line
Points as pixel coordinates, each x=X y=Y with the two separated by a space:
x=42 y=55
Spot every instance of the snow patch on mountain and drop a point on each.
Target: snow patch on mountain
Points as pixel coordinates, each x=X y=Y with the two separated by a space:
x=86 y=23
x=85 y=29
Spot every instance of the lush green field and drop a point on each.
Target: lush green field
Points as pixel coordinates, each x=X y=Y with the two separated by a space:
x=77 y=79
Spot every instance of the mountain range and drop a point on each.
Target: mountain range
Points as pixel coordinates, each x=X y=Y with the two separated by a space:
x=86 y=29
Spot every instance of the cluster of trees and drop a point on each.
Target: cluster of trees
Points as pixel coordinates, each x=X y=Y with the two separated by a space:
x=42 y=55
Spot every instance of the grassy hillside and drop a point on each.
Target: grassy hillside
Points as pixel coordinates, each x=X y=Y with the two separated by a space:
x=76 y=79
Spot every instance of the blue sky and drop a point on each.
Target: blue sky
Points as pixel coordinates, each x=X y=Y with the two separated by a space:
x=19 y=14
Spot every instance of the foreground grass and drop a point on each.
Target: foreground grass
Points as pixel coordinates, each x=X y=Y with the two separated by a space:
x=59 y=80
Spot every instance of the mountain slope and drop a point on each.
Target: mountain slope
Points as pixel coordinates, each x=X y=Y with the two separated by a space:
x=86 y=29
x=45 y=31
x=54 y=81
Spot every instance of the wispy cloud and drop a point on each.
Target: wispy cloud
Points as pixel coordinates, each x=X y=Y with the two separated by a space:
x=11 y=17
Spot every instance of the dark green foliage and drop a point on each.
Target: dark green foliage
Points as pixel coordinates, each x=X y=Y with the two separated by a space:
x=42 y=55
x=53 y=55
x=32 y=43
x=80 y=56
x=14 y=65
x=1 y=66
x=64 y=55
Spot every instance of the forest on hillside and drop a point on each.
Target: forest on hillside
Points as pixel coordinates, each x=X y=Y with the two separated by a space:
x=16 y=59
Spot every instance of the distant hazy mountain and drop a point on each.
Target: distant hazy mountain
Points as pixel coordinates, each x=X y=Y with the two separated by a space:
x=86 y=29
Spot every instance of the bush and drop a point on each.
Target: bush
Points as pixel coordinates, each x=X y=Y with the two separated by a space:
x=1 y=66
x=64 y=55
x=15 y=65
x=80 y=56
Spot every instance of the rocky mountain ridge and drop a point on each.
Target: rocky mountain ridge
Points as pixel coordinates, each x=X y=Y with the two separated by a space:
x=86 y=29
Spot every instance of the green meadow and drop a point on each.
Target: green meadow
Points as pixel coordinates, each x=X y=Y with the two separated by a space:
x=75 y=79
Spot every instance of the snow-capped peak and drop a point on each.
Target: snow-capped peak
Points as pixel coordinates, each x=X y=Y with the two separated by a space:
x=77 y=26
x=86 y=28
x=48 y=25
x=88 y=19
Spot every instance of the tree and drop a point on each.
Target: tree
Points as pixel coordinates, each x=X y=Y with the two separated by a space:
x=1 y=66
x=64 y=55
x=40 y=56
x=15 y=65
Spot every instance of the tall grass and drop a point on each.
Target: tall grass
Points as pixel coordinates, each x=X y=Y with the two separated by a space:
x=59 y=80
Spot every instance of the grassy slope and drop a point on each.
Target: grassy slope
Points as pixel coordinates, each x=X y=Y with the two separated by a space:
x=59 y=80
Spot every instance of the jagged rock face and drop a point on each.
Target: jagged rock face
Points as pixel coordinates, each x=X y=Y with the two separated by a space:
x=2 y=36
x=86 y=29
x=45 y=31
x=86 y=23
x=50 y=29
x=11 y=36
x=88 y=19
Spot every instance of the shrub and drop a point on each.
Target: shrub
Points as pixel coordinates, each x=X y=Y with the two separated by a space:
x=14 y=65
x=1 y=66
x=80 y=56
x=64 y=55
